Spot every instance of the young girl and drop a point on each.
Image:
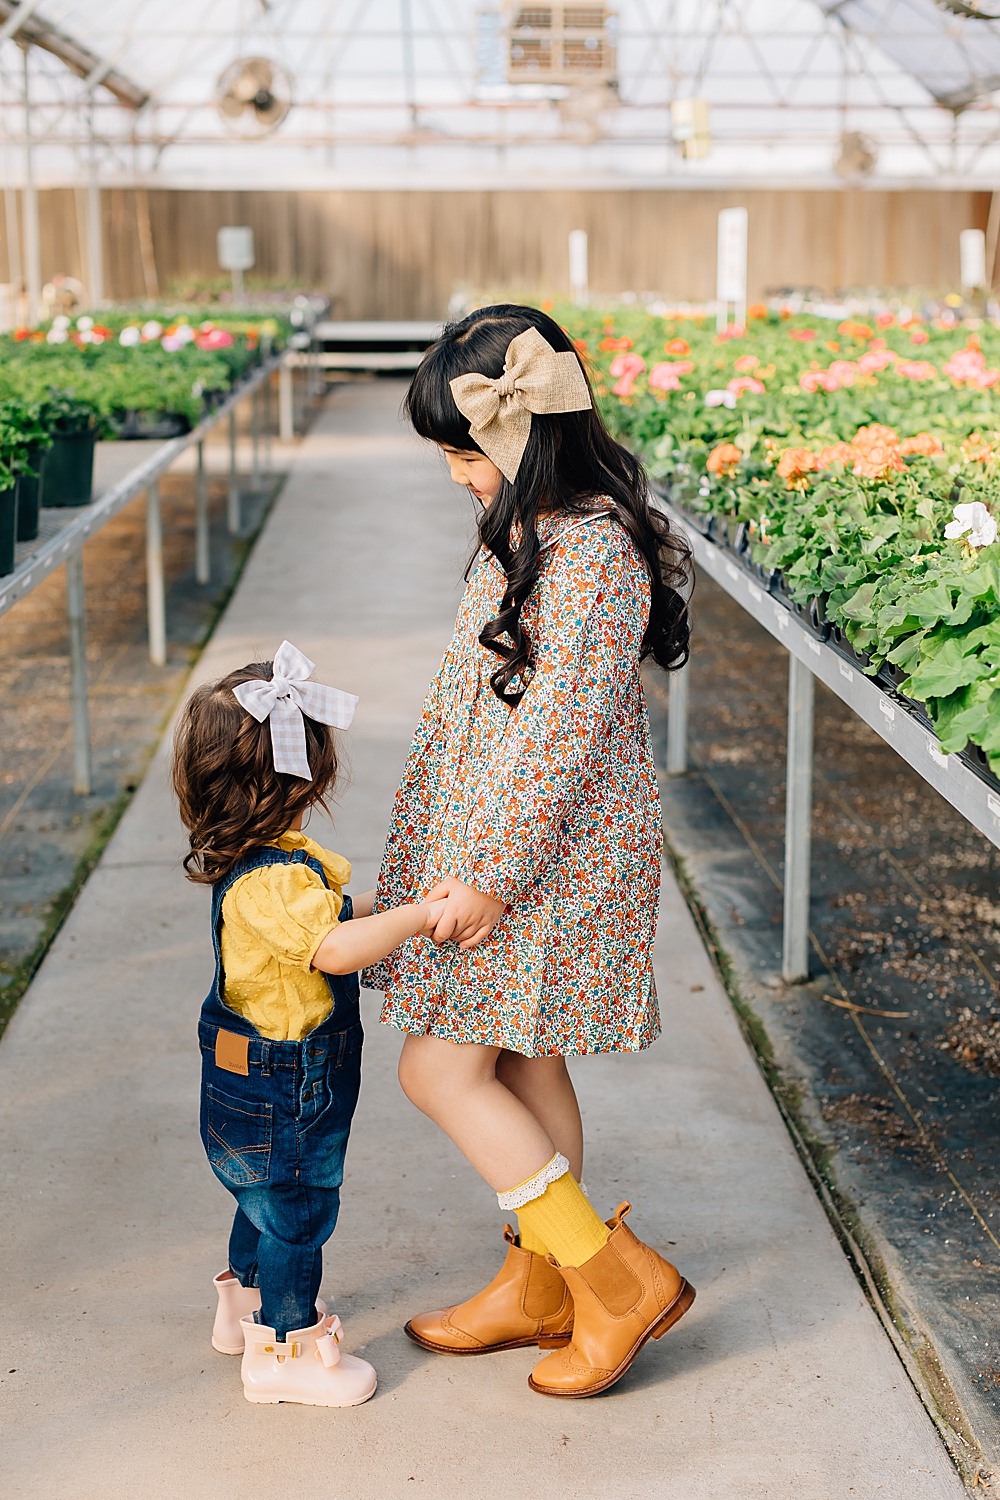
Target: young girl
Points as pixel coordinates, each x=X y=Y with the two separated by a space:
x=529 y=804
x=280 y=1031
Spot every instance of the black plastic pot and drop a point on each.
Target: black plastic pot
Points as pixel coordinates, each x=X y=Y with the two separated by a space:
x=69 y=469
x=8 y=528
x=975 y=758
x=29 y=496
x=838 y=640
x=133 y=425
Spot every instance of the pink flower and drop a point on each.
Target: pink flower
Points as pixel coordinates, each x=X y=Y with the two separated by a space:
x=745 y=383
x=666 y=376
x=916 y=369
x=841 y=372
x=746 y=363
x=731 y=331
x=986 y=378
x=875 y=359
x=884 y=319
x=919 y=336
x=810 y=380
x=965 y=364
x=626 y=368
x=213 y=338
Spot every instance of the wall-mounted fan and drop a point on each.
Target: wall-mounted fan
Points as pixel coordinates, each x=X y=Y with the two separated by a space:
x=253 y=96
x=858 y=155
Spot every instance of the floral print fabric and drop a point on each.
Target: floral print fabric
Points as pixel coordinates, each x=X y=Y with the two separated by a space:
x=551 y=807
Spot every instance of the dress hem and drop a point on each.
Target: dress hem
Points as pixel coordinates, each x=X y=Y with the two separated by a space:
x=447 y=1035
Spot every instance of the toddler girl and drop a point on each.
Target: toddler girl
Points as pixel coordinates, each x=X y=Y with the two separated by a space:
x=280 y=1031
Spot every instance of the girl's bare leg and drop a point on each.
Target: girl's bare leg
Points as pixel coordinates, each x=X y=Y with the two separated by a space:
x=544 y=1086
x=457 y=1087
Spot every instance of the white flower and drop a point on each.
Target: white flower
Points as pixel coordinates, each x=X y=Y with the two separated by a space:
x=56 y=336
x=151 y=330
x=130 y=336
x=61 y=322
x=84 y=323
x=721 y=398
x=975 y=519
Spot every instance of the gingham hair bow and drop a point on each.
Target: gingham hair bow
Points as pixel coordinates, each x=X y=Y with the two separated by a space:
x=285 y=699
x=535 y=379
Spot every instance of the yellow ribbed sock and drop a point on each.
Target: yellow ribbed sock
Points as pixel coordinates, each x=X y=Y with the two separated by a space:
x=564 y=1221
x=530 y=1241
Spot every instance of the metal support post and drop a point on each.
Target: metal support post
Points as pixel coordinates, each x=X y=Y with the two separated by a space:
x=156 y=601
x=255 y=439
x=233 y=516
x=76 y=609
x=798 y=822
x=267 y=425
x=202 y=558
x=677 y=721
x=286 y=405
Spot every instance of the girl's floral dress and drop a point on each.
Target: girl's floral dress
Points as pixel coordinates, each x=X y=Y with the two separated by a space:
x=551 y=807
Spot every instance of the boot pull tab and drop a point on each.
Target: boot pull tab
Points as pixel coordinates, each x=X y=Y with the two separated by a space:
x=509 y=1235
x=328 y=1345
x=619 y=1215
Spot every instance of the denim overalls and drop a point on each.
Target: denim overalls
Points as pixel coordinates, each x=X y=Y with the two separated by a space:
x=275 y=1118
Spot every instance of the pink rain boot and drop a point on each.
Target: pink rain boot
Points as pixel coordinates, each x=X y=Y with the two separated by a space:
x=236 y=1302
x=307 y=1368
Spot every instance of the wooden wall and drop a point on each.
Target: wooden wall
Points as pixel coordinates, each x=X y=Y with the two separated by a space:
x=403 y=254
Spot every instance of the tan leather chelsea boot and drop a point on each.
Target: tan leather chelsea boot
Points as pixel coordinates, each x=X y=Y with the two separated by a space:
x=527 y=1302
x=623 y=1296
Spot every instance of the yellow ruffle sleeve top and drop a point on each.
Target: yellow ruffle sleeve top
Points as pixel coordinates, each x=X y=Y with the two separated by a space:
x=273 y=920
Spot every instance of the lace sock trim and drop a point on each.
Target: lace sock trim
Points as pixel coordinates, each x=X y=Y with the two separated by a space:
x=535 y=1186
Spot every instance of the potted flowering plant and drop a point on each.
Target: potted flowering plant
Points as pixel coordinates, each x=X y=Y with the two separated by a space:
x=26 y=437
x=69 y=466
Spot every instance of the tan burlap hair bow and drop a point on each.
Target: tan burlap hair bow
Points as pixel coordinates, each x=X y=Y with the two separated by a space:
x=535 y=379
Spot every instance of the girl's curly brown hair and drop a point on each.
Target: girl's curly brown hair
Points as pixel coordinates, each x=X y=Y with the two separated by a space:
x=231 y=798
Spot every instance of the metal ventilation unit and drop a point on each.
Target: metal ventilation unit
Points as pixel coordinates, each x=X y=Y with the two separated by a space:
x=569 y=44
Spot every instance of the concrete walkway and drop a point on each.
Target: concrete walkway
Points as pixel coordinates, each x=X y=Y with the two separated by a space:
x=780 y=1383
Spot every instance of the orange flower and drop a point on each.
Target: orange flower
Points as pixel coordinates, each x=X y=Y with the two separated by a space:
x=677 y=346
x=547 y=305
x=608 y=343
x=746 y=363
x=853 y=330
x=977 y=449
x=794 y=467
x=839 y=453
x=723 y=459
x=833 y=346
x=875 y=436
x=20 y=334
x=581 y=346
x=756 y=310
x=924 y=443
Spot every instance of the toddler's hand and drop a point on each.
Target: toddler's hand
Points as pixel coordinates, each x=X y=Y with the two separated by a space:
x=431 y=912
x=469 y=915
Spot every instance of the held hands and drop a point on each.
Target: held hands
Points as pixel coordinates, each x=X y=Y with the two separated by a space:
x=467 y=915
x=431 y=912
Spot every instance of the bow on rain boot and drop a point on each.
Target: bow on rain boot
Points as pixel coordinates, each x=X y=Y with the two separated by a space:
x=307 y=1367
x=235 y=1302
x=527 y=1302
x=622 y=1296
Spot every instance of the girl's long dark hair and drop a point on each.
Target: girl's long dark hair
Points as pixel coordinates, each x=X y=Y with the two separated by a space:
x=570 y=460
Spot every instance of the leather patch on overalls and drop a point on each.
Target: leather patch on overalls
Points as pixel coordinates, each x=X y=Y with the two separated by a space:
x=231 y=1052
